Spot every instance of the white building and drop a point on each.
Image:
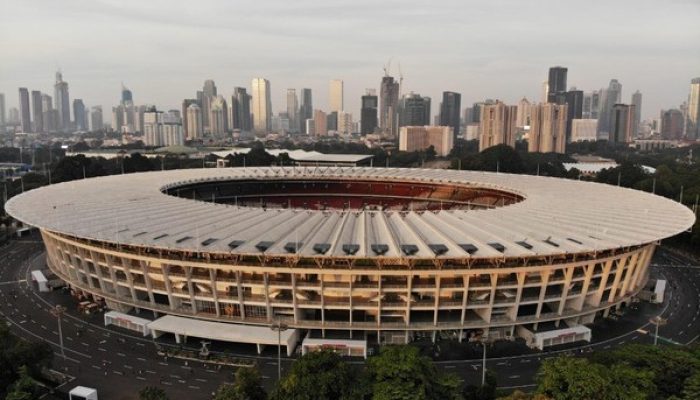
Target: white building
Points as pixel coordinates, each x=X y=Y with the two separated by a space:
x=584 y=129
x=417 y=138
x=335 y=96
x=195 y=126
x=262 y=105
x=345 y=124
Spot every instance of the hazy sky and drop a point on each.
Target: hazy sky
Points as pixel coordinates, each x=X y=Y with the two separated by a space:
x=164 y=50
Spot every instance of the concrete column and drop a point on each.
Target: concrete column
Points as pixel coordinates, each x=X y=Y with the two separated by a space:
x=409 y=289
x=98 y=271
x=268 y=307
x=518 y=295
x=190 y=289
x=169 y=286
x=544 y=276
x=618 y=275
x=631 y=269
x=568 y=276
x=436 y=309
x=214 y=290
x=588 y=276
x=465 y=299
x=295 y=306
x=598 y=298
x=241 y=298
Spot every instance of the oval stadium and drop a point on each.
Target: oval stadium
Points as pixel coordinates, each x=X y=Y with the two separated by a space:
x=355 y=255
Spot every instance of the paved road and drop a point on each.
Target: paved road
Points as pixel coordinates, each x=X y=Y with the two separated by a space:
x=119 y=363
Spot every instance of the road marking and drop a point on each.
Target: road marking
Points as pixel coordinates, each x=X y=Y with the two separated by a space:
x=162 y=363
x=167 y=383
x=141 y=378
x=148 y=371
x=193 y=387
x=128 y=366
x=450 y=366
x=101 y=349
x=141 y=359
x=121 y=354
x=96 y=367
x=514 y=377
x=117 y=372
x=200 y=380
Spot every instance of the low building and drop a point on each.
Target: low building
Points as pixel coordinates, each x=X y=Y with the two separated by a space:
x=417 y=138
x=584 y=130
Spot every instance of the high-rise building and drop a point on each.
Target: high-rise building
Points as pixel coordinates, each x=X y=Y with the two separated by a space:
x=50 y=118
x=574 y=102
x=320 y=123
x=335 y=95
x=556 y=84
x=368 y=114
x=79 y=115
x=497 y=125
x=240 y=110
x=209 y=88
x=414 y=110
x=62 y=100
x=693 y=128
x=547 y=128
x=96 y=118
x=262 y=105
x=171 y=128
x=388 y=106
x=637 y=103
x=591 y=104
x=3 y=116
x=523 y=115
x=306 y=110
x=118 y=118
x=152 y=127
x=186 y=103
x=584 y=130
x=24 y=110
x=332 y=121
x=205 y=98
x=418 y=138
x=127 y=97
x=37 y=112
x=293 y=111
x=672 y=124
x=449 y=111
x=218 y=117
x=611 y=96
x=195 y=129
x=622 y=123
x=345 y=125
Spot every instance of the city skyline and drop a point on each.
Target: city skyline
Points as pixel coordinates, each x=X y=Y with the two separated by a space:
x=485 y=65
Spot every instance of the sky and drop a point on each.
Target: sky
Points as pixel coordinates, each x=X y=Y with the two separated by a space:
x=163 y=50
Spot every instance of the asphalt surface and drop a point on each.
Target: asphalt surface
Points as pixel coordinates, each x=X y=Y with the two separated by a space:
x=119 y=363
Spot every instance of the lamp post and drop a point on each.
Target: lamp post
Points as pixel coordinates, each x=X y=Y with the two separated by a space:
x=58 y=312
x=279 y=327
x=658 y=321
x=483 y=364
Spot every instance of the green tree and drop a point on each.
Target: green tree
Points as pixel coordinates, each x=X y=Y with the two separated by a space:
x=152 y=393
x=25 y=388
x=691 y=389
x=247 y=385
x=400 y=372
x=319 y=376
x=487 y=391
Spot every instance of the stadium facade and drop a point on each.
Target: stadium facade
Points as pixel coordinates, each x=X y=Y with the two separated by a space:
x=384 y=254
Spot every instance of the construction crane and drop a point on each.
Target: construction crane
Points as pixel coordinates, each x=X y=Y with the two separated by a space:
x=387 y=67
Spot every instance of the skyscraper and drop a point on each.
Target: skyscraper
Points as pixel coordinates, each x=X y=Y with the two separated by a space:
x=345 y=125
x=693 y=129
x=368 y=114
x=306 y=110
x=449 y=111
x=388 y=103
x=218 y=116
x=50 y=118
x=262 y=105
x=194 y=122
x=79 y=115
x=610 y=97
x=591 y=105
x=414 y=110
x=152 y=127
x=96 y=118
x=127 y=97
x=556 y=84
x=37 y=111
x=548 y=128
x=637 y=103
x=574 y=102
x=497 y=125
x=335 y=95
x=24 y=113
x=293 y=111
x=240 y=110
x=207 y=96
x=320 y=123
x=3 y=117
x=523 y=115
x=622 y=122
x=62 y=100
x=672 y=124
x=186 y=103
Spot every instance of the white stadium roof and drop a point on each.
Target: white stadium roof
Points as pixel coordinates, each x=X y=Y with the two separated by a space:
x=556 y=216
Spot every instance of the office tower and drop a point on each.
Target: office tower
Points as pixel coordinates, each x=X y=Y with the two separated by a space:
x=195 y=130
x=218 y=116
x=240 y=110
x=637 y=103
x=152 y=124
x=79 y=116
x=414 y=110
x=137 y=119
x=50 y=117
x=306 y=110
x=584 y=130
x=622 y=122
x=548 y=128
x=332 y=121
x=388 y=103
x=574 y=102
x=610 y=97
x=556 y=84
x=96 y=118
x=310 y=127
x=209 y=88
x=262 y=105
x=368 y=114
x=185 y=104
x=449 y=111
x=672 y=124
x=24 y=111
x=345 y=125
x=693 y=124
x=3 y=117
x=545 y=91
x=13 y=116
x=37 y=112
x=117 y=118
x=127 y=97
x=293 y=111
x=171 y=128
x=497 y=125
x=320 y=123
x=205 y=98
x=335 y=95
x=591 y=104
x=418 y=138
x=523 y=114
x=62 y=100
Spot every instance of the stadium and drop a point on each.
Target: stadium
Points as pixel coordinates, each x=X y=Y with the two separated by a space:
x=345 y=256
